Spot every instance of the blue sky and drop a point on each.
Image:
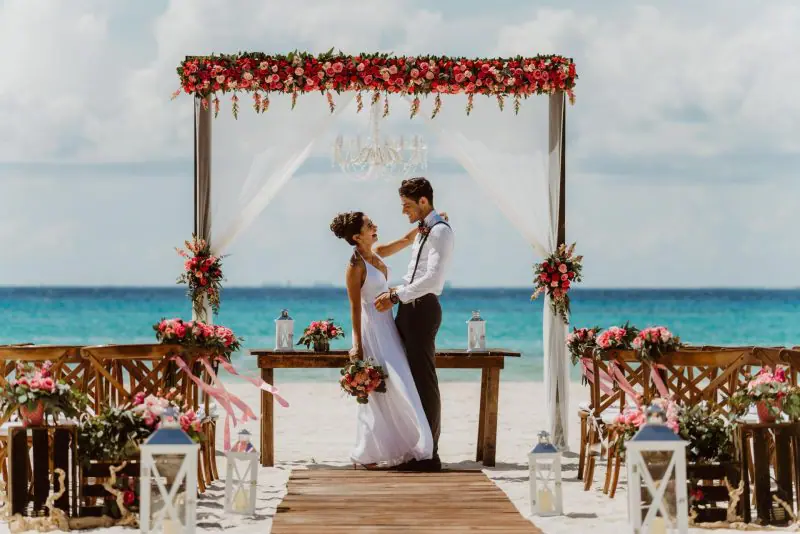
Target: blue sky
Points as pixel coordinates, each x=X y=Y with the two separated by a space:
x=683 y=146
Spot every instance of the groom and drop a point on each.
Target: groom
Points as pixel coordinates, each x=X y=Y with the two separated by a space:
x=419 y=315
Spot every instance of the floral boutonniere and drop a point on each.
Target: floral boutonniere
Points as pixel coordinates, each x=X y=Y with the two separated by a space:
x=424 y=229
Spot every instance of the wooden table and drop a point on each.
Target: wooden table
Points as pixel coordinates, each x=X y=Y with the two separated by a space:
x=490 y=361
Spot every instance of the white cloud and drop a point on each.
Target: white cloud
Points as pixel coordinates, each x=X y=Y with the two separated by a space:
x=682 y=144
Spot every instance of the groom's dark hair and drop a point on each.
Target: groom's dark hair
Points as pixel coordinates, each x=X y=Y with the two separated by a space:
x=416 y=188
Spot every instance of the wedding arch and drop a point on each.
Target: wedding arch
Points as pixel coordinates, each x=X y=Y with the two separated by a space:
x=373 y=76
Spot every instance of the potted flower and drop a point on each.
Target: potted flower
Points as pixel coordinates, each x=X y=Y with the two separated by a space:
x=36 y=395
x=766 y=390
x=319 y=334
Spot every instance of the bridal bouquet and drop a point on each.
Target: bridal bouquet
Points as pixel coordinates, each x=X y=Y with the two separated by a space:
x=219 y=340
x=555 y=276
x=202 y=273
x=652 y=342
x=360 y=379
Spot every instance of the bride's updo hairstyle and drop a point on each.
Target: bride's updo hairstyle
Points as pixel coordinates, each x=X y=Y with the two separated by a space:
x=347 y=225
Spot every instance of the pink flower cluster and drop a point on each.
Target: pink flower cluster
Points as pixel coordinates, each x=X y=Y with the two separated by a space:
x=219 y=339
x=634 y=418
x=152 y=407
x=360 y=379
x=40 y=380
x=614 y=337
x=581 y=335
x=654 y=334
x=767 y=377
x=202 y=273
x=324 y=329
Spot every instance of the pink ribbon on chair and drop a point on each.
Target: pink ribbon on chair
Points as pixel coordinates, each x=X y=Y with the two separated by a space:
x=657 y=381
x=587 y=372
x=622 y=382
x=257 y=382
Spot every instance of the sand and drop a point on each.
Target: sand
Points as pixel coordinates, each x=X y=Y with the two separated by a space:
x=318 y=429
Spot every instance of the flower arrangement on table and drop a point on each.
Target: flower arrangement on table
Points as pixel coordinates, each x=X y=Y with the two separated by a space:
x=37 y=395
x=555 y=276
x=202 y=273
x=220 y=341
x=651 y=343
x=769 y=391
x=616 y=338
x=319 y=334
x=360 y=379
x=580 y=341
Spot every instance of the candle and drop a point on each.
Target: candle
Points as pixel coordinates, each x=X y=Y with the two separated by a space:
x=545 y=498
x=240 y=501
x=658 y=525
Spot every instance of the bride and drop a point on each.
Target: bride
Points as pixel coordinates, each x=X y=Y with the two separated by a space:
x=392 y=427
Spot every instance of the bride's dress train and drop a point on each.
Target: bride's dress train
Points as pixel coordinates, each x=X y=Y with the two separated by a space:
x=392 y=427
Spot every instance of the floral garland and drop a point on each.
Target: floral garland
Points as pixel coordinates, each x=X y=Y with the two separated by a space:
x=219 y=340
x=616 y=337
x=555 y=276
x=202 y=273
x=651 y=343
x=301 y=72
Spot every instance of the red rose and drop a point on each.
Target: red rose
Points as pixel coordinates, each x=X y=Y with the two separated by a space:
x=128 y=498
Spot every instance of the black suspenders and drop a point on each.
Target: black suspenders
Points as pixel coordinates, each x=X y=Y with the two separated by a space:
x=422 y=244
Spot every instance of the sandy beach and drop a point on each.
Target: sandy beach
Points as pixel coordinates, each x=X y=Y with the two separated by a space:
x=318 y=429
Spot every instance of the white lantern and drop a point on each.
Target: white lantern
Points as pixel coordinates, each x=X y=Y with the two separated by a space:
x=284 y=332
x=168 y=480
x=241 y=476
x=476 y=333
x=544 y=463
x=656 y=458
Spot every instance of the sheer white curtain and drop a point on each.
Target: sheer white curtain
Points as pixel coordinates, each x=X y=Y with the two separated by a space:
x=256 y=155
x=508 y=157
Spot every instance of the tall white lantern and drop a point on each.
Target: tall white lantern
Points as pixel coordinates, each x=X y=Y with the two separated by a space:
x=656 y=458
x=241 y=476
x=544 y=464
x=284 y=332
x=168 y=481
x=476 y=332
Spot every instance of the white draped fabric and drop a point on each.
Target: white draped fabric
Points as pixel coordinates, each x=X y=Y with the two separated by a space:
x=507 y=155
x=241 y=193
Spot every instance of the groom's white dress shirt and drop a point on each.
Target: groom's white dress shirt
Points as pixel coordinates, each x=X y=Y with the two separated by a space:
x=433 y=261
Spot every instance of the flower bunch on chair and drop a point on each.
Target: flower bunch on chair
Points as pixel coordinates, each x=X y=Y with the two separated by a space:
x=580 y=341
x=654 y=341
x=34 y=388
x=202 y=273
x=616 y=337
x=555 y=276
x=217 y=339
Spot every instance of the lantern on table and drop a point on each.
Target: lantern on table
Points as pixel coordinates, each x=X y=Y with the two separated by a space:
x=168 y=480
x=656 y=458
x=544 y=463
x=241 y=476
x=284 y=332
x=476 y=332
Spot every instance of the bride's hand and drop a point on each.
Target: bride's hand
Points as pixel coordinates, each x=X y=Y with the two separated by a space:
x=443 y=215
x=356 y=354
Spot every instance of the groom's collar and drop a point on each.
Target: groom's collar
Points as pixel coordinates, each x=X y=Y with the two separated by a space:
x=431 y=218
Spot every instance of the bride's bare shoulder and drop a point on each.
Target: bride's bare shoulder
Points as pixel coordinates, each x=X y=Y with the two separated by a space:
x=356 y=262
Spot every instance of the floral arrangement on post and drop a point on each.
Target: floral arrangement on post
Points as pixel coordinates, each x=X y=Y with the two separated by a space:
x=767 y=391
x=616 y=337
x=217 y=339
x=319 y=334
x=651 y=343
x=360 y=379
x=581 y=340
x=202 y=273
x=555 y=276
x=37 y=395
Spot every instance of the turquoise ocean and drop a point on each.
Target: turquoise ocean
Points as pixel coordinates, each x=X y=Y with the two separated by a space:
x=85 y=316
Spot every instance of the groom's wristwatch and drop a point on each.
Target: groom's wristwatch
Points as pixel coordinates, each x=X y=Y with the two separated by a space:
x=393 y=296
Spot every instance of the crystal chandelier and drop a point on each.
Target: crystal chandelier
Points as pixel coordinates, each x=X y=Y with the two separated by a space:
x=379 y=156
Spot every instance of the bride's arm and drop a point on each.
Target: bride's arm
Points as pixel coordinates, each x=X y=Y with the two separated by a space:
x=387 y=249
x=354 y=277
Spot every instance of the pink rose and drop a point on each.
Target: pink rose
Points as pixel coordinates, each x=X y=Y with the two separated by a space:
x=48 y=384
x=562 y=268
x=138 y=399
x=35 y=384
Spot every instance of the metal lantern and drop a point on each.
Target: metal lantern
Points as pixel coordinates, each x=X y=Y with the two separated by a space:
x=284 y=332
x=656 y=458
x=476 y=332
x=241 y=476
x=168 y=480
x=544 y=463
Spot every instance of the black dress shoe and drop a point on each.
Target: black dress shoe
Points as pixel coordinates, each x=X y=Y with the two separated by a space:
x=410 y=465
x=431 y=465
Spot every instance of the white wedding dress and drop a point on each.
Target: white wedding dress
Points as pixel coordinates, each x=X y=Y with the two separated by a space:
x=392 y=427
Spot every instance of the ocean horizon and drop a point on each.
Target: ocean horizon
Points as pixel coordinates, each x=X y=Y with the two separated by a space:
x=82 y=315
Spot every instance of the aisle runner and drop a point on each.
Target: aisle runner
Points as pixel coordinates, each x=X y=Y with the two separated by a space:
x=334 y=501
